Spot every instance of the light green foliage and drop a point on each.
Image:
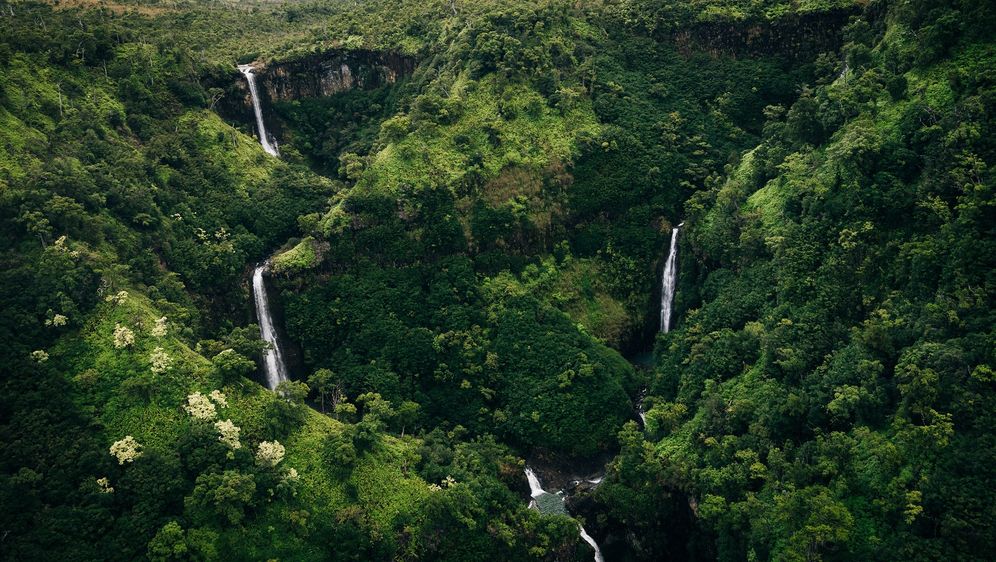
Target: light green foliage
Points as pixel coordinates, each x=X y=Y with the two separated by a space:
x=473 y=112
x=493 y=237
x=300 y=257
x=821 y=375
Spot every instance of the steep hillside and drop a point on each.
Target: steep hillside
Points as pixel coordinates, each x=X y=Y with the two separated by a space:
x=827 y=393
x=464 y=235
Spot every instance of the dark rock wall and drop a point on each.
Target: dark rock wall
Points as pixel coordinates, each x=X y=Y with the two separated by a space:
x=325 y=74
x=310 y=76
x=795 y=37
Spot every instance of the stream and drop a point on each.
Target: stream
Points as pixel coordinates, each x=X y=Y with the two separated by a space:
x=553 y=503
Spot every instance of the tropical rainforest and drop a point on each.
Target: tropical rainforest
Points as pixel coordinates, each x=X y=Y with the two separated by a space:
x=463 y=247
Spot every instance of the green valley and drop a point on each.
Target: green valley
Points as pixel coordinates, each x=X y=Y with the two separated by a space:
x=447 y=280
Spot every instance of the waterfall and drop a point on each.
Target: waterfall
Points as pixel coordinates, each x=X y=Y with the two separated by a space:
x=844 y=72
x=640 y=409
x=273 y=359
x=535 y=488
x=587 y=538
x=536 y=491
x=264 y=138
x=669 y=280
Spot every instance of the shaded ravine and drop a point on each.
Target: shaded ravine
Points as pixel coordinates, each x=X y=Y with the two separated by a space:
x=274 y=367
x=557 y=502
x=548 y=503
x=264 y=138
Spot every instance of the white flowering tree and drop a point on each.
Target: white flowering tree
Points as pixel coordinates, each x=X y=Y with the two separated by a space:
x=123 y=336
x=126 y=450
x=219 y=398
x=160 y=361
x=58 y=320
x=270 y=453
x=228 y=433
x=291 y=476
x=160 y=329
x=200 y=407
x=120 y=297
x=105 y=485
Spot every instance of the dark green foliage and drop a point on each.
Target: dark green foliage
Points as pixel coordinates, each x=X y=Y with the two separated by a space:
x=460 y=292
x=834 y=365
x=324 y=128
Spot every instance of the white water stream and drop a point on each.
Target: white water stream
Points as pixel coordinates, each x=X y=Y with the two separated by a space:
x=536 y=491
x=587 y=538
x=273 y=360
x=264 y=139
x=535 y=488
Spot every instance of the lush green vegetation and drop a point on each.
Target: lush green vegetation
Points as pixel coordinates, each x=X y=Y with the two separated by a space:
x=463 y=259
x=828 y=392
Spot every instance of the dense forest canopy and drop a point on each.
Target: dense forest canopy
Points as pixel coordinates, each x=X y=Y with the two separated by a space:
x=463 y=240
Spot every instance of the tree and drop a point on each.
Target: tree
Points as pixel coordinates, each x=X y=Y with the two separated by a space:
x=231 y=365
x=169 y=544
x=221 y=494
x=376 y=410
x=292 y=392
x=326 y=383
x=338 y=451
x=408 y=415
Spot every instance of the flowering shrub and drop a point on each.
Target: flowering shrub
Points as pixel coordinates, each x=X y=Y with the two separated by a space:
x=160 y=360
x=123 y=337
x=200 y=406
x=126 y=450
x=39 y=356
x=270 y=453
x=229 y=433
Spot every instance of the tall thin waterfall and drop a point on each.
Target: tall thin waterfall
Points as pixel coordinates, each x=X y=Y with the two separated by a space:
x=273 y=359
x=669 y=280
x=536 y=491
x=264 y=138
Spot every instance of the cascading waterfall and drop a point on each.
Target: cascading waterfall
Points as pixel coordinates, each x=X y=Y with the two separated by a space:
x=537 y=492
x=535 y=488
x=587 y=538
x=264 y=139
x=669 y=280
x=273 y=359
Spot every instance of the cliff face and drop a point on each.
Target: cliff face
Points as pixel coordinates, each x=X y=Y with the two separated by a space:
x=311 y=76
x=325 y=74
x=795 y=37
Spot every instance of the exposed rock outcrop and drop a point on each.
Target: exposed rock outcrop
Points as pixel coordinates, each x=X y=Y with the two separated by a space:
x=332 y=72
x=799 y=36
x=310 y=76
